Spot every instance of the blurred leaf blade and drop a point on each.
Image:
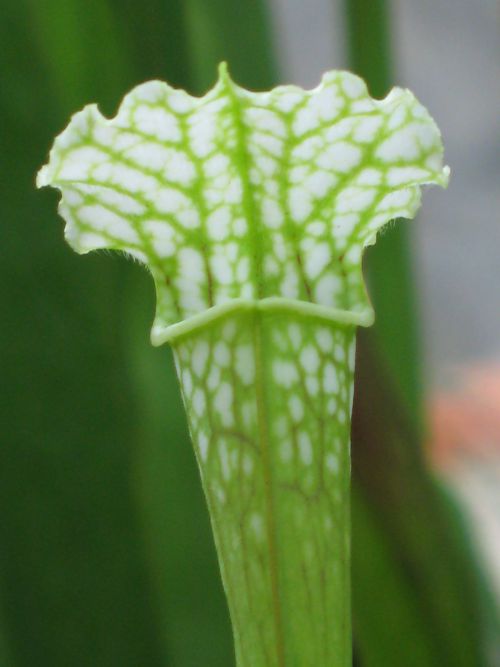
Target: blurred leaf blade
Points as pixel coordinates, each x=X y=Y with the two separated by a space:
x=440 y=612
x=82 y=48
x=236 y=32
x=71 y=561
x=377 y=636
x=391 y=477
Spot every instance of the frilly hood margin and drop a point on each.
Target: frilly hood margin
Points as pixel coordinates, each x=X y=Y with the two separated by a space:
x=241 y=200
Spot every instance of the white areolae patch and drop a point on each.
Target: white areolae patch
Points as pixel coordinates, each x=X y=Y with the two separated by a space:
x=285 y=373
x=203 y=443
x=223 y=401
x=309 y=358
x=324 y=339
x=199 y=402
x=305 y=447
x=222 y=354
x=200 y=357
x=296 y=407
x=330 y=378
x=245 y=364
x=332 y=463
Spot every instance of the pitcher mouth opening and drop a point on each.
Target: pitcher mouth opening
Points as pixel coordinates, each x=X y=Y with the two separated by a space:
x=161 y=334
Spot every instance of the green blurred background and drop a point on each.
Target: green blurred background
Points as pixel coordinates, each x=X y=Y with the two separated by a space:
x=106 y=556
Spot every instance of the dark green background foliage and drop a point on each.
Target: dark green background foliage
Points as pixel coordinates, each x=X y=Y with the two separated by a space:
x=106 y=553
